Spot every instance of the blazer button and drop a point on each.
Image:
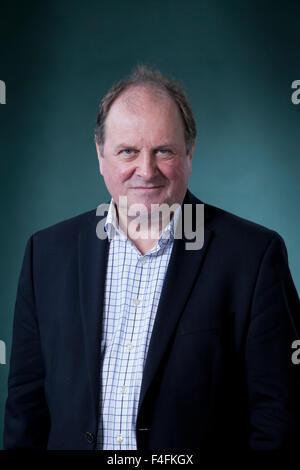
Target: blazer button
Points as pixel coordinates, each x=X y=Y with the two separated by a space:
x=90 y=437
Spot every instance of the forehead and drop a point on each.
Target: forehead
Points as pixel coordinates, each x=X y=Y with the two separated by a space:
x=144 y=109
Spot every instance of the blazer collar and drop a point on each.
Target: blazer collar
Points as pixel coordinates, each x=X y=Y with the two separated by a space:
x=92 y=262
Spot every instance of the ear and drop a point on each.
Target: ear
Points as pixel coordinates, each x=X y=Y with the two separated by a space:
x=100 y=158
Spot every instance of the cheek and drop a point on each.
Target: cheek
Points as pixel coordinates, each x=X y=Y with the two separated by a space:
x=115 y=173
x=176 y=172
x=122 y=174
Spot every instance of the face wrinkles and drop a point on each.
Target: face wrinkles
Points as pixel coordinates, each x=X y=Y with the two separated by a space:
x=144 y=154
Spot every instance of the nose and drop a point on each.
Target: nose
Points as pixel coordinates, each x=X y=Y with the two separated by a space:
x=146 y=165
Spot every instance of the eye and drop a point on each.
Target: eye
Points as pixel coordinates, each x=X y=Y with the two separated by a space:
x=127 y=153
x=164 y=152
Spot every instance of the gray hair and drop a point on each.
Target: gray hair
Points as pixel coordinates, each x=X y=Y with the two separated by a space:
x=140 y=75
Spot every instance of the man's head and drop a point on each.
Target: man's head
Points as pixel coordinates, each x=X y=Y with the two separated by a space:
x=145 y=137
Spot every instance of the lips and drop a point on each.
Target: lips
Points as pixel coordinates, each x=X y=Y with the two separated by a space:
x=147 y=187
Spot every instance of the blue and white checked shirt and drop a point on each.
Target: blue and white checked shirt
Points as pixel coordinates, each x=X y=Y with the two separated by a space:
x=132 y=290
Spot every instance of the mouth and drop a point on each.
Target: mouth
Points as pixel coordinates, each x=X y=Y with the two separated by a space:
x=147 y=188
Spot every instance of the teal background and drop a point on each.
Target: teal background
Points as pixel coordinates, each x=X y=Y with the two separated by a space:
x=237 y=60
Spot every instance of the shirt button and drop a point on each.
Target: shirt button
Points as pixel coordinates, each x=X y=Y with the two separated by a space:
x=90 y=437
x=136 y=301
x=119 y=439
x=123 y=389
x=130 y=346
x=142 y=260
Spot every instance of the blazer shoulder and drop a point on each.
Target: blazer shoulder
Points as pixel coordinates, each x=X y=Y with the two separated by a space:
x=239 y=229
x=235 y=231
x=66 y=230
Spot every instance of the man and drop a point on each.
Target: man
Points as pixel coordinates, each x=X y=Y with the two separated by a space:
x=134 y=341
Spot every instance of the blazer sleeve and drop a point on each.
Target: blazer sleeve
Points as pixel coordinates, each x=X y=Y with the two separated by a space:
x=27 y=420
x=272 y=378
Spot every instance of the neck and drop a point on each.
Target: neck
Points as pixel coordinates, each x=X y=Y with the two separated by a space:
x=143 y=231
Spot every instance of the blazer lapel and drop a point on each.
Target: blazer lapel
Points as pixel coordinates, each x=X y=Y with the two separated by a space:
x=184 y=266
x=92 y=255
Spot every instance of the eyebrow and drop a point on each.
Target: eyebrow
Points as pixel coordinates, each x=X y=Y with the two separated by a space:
x=125 y=146
x=128 y=146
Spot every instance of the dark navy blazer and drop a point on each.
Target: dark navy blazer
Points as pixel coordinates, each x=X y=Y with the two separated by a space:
x=218 y=373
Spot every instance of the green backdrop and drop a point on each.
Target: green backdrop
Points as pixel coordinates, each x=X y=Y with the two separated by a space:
x=237 y=60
